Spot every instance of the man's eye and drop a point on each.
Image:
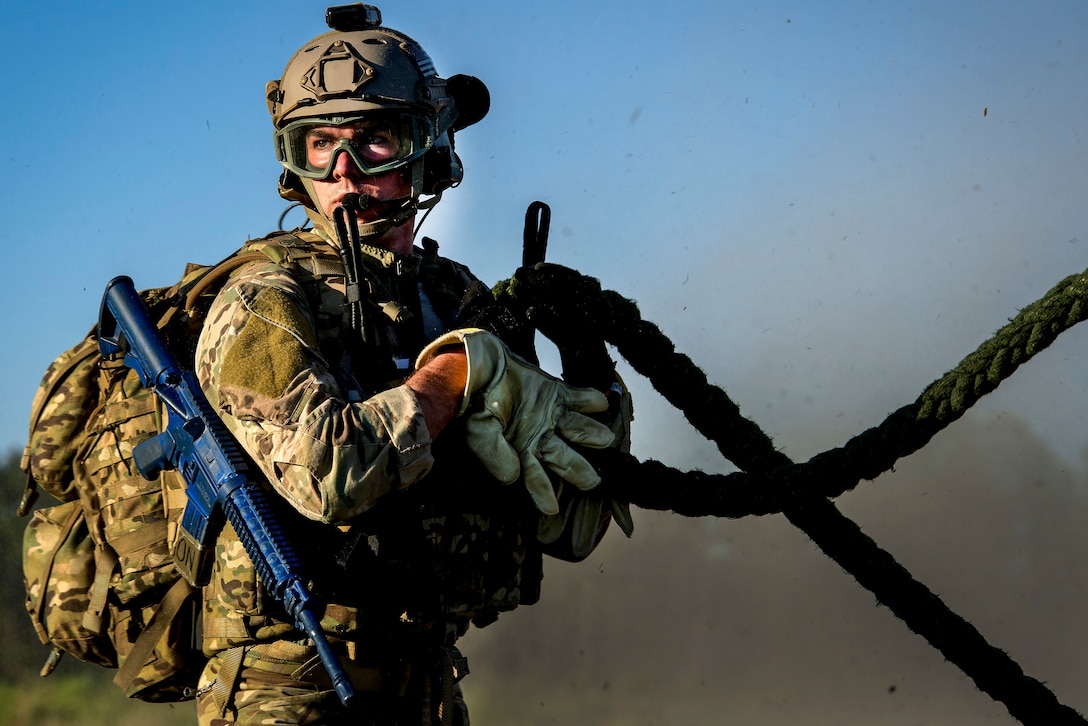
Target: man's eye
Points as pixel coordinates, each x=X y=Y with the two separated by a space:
x=374 y=139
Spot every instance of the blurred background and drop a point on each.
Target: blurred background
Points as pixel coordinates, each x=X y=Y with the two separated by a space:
x=825 y=207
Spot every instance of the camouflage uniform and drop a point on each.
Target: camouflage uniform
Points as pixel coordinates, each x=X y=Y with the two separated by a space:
x=406 y=538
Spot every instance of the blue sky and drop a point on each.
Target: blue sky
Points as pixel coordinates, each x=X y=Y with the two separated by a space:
x=825 y=206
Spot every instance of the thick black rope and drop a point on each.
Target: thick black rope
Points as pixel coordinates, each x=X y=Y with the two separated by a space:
x=771 y=482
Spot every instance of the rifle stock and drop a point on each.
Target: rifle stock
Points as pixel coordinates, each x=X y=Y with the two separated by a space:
x=220 y=488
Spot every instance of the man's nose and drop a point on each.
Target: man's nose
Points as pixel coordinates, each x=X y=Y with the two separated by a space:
x=345 y=167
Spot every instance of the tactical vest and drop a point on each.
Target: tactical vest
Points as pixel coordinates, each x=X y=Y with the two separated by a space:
x=455 y=547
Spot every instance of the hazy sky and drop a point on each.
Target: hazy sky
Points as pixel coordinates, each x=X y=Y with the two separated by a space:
x=826 y=205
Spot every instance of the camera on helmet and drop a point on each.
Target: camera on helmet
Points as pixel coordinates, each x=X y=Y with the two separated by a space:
x=357 y=16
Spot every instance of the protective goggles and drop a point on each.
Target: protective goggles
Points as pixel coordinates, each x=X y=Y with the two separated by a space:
x=377 y=143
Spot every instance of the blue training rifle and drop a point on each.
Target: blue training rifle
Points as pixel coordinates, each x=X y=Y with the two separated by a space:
x=198 y=445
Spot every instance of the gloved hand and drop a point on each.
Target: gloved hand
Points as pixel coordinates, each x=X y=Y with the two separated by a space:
x=517 y=417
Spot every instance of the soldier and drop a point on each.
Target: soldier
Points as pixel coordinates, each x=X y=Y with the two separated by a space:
x=347 y=369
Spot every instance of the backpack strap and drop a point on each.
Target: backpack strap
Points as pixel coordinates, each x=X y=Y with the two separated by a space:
x=105 y=561
x=281 y=248
x=230 y=665
x=216 y=274
x=156 y=628
x=30 y=495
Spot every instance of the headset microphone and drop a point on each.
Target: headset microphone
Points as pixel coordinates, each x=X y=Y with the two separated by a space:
x=355 y=202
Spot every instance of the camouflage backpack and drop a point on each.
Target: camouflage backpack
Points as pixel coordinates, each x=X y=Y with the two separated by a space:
x=98 y=567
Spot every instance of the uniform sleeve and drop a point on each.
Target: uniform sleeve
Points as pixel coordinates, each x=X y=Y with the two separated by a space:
x=260 y=365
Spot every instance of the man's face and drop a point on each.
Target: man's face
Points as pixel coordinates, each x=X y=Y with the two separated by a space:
x=375 y=143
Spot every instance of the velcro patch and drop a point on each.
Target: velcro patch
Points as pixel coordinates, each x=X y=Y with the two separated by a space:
x=271 y=348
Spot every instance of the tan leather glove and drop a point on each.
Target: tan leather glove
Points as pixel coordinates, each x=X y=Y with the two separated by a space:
x=519 y=419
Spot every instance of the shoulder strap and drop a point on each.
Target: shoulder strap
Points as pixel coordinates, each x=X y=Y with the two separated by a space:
x=284 y=248
x=200 y=280
x=444 y=281
x=215 y=276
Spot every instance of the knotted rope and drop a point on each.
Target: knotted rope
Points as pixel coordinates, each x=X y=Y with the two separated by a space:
x=770 y=482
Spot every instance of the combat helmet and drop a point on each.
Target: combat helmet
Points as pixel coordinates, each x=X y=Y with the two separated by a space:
x=363 y=70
